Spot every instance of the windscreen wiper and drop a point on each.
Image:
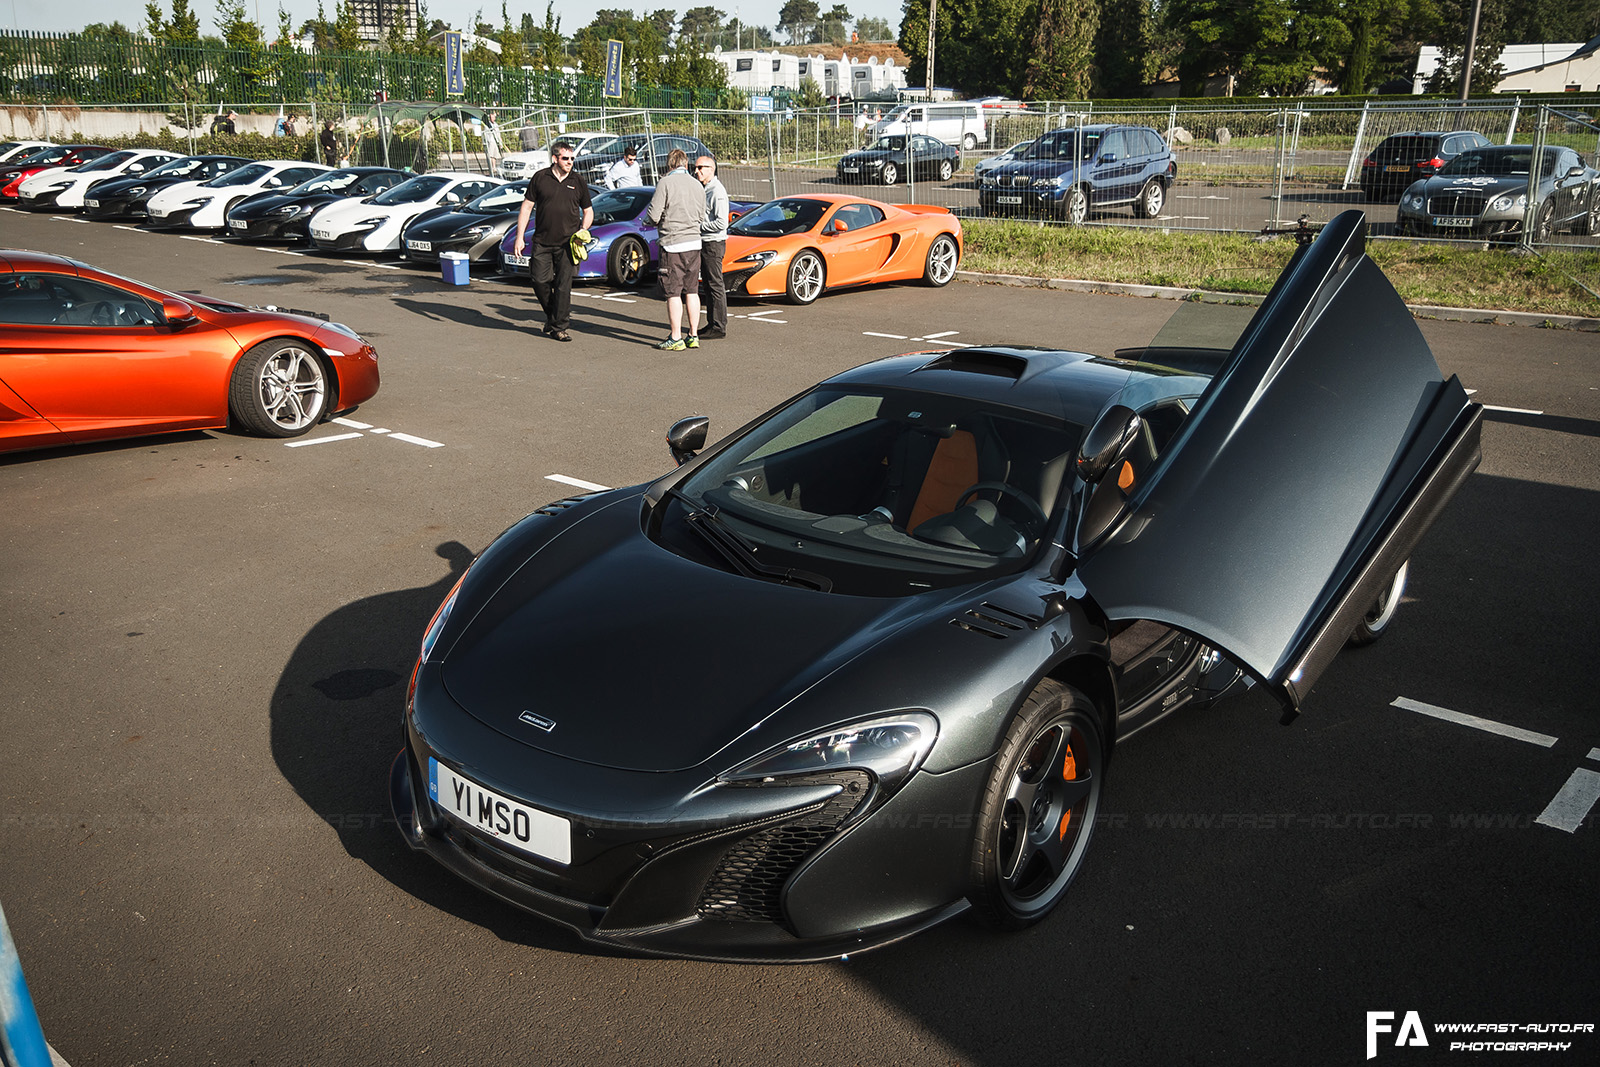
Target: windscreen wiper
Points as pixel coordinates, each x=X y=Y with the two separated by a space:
x=741 y=554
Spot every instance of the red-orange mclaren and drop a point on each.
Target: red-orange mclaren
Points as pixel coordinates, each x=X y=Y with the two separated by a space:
x=798 y=246
x=87 y=356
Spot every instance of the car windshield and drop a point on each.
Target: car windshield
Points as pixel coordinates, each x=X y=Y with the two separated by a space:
x=52 y=154
x=609 y=143
x=887 y=492
x=779 y=217
x=413 y=191
x=619 y=206
x=179 y=168
x=888 y=144
x=1070 y=144
x=1504 y=162
x=106 y=162
x=496 y=201
x=243 y=176
x=336 y=181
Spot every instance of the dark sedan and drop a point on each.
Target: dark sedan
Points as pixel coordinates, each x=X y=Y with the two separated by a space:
x=1403 y=158
x=873 y=651
x=474 y=228
x=62 y=155
x=885 y=160
x=126 y=197
x=286 y=216
x=1483 y=194
x=653 y=152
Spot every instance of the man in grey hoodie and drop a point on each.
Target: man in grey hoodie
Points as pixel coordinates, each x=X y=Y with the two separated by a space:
x=676 y=210
x=713 y=242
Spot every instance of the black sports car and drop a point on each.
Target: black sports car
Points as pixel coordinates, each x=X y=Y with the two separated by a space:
x=286 y=215
x=1483 y=193
x=126 y=197
x=879 y=644
x=474 y=228
x=884 y=160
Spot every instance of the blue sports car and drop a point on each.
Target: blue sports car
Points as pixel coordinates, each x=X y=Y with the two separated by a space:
x=624 y=248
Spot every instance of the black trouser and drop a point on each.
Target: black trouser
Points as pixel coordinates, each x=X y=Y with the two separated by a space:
x=713 y=293
x=551 y=268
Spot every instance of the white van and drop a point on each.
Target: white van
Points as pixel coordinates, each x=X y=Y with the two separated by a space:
x=954 y=122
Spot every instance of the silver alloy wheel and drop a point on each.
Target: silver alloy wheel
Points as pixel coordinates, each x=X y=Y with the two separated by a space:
x=1153 y=199
x=891 y=174
x=942 y=259
x=292 y=389
x=1077 y=205
x=945 y=170
x=805 y=278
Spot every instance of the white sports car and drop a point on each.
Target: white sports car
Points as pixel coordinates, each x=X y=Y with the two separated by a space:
x=18 y=149
x=514 y=165
x=204 y=205
x=63 y=187
x=374 y=224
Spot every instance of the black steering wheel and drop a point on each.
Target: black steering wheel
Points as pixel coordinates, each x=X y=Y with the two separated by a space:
x=1038 y=520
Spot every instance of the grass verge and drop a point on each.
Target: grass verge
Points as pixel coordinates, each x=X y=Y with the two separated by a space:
x=1446 y=275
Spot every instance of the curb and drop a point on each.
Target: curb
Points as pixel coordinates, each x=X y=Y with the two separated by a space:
x=1168 y=292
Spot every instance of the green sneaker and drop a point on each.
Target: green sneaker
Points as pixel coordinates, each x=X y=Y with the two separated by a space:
x=673 y=344
x=691 y=341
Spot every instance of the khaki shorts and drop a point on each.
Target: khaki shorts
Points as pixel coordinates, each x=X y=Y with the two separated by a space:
x=680 y=272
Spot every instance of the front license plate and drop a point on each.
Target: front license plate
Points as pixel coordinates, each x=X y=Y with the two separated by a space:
x=1401 y=168
x=852 y=170
x=514 y=260
x=238 y=224
x=1456 y=221
x=322 y=235
x=1008 y=199
x=158 y=213
x=420 y=246
x=515 y=825
x=91 y=203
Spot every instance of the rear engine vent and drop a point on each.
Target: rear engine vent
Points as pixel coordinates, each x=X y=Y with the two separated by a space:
x=980 y=361
x=996 y=622
x=556 y=507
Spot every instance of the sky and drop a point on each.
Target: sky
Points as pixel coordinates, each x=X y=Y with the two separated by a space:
x=574 y=14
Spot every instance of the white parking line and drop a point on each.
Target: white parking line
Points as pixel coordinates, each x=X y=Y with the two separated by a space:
x=1572 y=805
x=423 y=441
x=66 y=218
x=578 y=482
x=1487 y=725
x=130 y=229
x=942 y=333
x=892 y=336
x=321 y=440
x=1512 y=411
x=1594 y=754
x=352 y=423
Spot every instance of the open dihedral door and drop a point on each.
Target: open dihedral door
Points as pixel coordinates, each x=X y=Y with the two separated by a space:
x=1303 y=478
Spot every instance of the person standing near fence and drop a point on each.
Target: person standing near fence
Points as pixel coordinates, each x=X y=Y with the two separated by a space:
x=330 y=144
x=713 y=243
x=559 y=201
x=677 y=209
x=625 y=171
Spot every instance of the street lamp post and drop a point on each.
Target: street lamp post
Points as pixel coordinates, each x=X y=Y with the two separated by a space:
x=933 y=20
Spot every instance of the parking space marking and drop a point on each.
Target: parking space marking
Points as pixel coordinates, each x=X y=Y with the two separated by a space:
x=64 y=218
x=207 y=240
x=943 y=337
x=352 y=423
x=576 y=482
x=321 y=440
x=893 y=336
x=1512 y=411
x=130 y=229
x=1572 y=805
x=756 y=316
x=1516 y=733
x=423 y=441
x=606 y=296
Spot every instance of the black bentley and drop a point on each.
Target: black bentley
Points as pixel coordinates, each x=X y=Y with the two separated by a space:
x=286 y=215
x=885 y=160
x=126 y=197
x=880 y=643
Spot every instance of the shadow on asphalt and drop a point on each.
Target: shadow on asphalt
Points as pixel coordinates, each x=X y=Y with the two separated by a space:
x=336 y=727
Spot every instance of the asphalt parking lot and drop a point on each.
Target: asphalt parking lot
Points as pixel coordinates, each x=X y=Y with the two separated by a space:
x=208 y=637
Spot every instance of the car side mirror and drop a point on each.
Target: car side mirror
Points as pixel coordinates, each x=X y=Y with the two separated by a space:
x=1106 y=443
x=1109 y=157
x=1575 y=172
x=837 y=226
x=176 y=312
x=687 y=437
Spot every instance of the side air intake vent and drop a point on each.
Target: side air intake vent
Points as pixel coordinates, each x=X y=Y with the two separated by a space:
x=980 y=361
x=995 y=622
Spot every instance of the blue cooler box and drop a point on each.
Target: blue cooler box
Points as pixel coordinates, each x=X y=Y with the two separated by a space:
x=453 y=265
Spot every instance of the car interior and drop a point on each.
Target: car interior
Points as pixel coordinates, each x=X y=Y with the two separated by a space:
x=61 y=300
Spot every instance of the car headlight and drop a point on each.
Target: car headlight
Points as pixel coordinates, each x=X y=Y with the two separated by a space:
x=1510 y=202
x=1051 y=183
x=137 y=190
x=342 y=328
x=764 y=258
x=891 y=748
x=474 y=231
x=1412 y=201
x=377 y=220
x=291 y=210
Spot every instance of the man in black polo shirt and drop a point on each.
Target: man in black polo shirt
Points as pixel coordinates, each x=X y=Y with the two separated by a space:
x=559 y=202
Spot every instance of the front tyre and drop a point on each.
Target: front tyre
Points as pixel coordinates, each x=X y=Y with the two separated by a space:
x=1038 y=808
x=1075 y=207
x=626 y=263
x=946 y=170
x=806 y=278
x=279 y=389
x=1381 y=612
x=943 y=256
x=891 y=174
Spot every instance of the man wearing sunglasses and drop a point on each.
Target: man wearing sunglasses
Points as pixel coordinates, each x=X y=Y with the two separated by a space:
x=713 y=242
x=559 y=201
x=625 y=171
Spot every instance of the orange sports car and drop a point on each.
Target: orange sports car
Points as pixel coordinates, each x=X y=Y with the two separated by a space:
x=88 y=356
x=797 y=246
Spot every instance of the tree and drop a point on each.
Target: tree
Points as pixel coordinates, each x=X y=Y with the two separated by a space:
x=1232 y=38
x=663 y=21
x=835 y=24
x=1455 y=17
x=1063 y=48
x=982 y=48
x=185 y=25
x=869 y=29
x=115 y=33
x=798 y=17
x=1122 y=49
x=702 y=24
x=345 y=33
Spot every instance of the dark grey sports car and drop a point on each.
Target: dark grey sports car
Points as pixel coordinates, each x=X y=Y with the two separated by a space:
x=1483 y=193
x=879 y=644
x=885 y=160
